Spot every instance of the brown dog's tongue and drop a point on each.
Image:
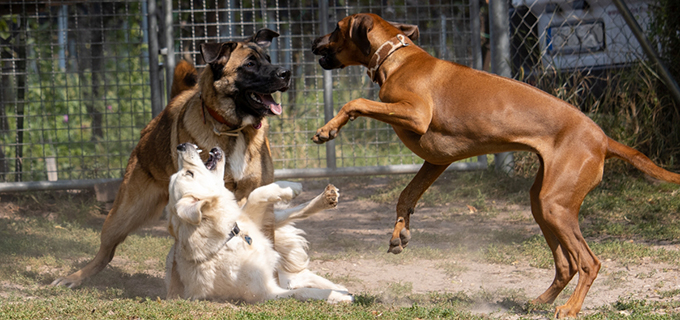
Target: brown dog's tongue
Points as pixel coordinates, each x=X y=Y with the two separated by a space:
x=268 y=100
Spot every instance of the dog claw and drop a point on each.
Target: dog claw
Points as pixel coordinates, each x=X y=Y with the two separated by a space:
x=318 y=139
x=65 y=282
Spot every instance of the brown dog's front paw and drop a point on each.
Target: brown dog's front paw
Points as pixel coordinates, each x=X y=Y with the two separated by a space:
x=331 y=195
x=322 y=135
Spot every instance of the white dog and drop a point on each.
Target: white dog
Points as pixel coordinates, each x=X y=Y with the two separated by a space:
x=220 y=252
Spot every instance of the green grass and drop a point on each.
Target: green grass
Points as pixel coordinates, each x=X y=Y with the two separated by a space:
x=46 y=235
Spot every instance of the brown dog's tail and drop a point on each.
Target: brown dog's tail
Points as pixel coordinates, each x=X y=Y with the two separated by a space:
x=640 y=161
x=185 y=78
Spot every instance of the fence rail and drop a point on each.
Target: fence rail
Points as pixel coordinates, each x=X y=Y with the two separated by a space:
x=80 y=79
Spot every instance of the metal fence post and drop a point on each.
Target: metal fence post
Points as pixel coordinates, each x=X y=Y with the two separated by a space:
x=169 y=46
x=476 y=43
x=154 y=70
x=327 y=89
x=499 y=21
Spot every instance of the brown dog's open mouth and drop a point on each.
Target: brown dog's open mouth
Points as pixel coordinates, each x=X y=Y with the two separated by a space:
x=213 y=158
x=259 y=100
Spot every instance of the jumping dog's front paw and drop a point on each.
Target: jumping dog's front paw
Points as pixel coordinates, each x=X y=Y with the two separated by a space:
x=324 y=134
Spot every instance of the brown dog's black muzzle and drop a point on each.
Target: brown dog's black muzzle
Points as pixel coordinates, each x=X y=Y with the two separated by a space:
x=284 y=75
x=319 y=44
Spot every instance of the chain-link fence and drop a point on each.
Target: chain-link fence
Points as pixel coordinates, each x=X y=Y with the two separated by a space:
x=445 y=31
x=77 y=88
x=74 y=93
x=577 y=50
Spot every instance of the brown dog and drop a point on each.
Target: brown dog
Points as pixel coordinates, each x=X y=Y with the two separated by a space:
x=445 y=112
x=226 y=109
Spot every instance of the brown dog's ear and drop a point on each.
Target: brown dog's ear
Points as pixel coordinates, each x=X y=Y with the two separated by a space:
x=189 y=209
x=411 y=31
x=211 y=52
x=358 y=32
x=263 y=37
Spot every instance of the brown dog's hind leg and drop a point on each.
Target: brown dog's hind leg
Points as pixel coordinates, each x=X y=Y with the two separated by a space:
x=564 y=271
x=140 y=199
x=562 y=192
x=427 y=174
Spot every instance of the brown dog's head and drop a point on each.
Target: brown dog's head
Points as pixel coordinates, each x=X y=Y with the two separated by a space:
x=355 y=38
x=243 y=71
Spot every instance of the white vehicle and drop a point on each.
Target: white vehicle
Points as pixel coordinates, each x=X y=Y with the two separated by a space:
x=583 y=34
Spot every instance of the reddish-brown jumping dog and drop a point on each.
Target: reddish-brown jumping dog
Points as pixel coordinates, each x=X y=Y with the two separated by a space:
x=445 y=112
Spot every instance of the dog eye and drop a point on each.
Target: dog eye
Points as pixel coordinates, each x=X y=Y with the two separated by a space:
x=189 y=173
x=250 y=64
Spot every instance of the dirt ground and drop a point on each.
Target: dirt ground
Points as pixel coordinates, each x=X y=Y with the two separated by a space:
x=348 y=245
x=360 y=222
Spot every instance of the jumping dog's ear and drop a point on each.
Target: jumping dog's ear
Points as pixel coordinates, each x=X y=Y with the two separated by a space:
x=189 y=209
x=411 y=31
x=358 y=32
x=217 y=52
x=263 y=37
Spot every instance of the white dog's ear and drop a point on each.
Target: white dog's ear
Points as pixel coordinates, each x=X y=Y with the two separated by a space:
x=189 y=209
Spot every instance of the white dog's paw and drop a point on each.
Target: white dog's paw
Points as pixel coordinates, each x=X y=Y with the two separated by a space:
x=340 y=297
x=286 y=190
x=330 y=196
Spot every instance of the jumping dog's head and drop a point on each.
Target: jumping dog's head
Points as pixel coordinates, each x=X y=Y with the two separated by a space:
x=355 y=38
x=243 y=71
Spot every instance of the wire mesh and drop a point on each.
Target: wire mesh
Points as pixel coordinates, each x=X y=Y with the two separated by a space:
x=576 y=50
x=444 y=32
x=74 y=88
x=74 y=93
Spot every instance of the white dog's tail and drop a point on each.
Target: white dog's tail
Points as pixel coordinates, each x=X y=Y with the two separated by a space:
x=292 y=246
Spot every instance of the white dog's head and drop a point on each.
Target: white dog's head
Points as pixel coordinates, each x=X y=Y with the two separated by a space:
x=195 y=184
x=200 y=202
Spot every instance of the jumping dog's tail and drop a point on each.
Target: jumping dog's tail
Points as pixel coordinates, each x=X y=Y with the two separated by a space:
x=184 y=78
x=640 y=161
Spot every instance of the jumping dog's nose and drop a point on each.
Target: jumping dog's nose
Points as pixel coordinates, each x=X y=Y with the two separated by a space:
x=182 y=147
x=315 y=49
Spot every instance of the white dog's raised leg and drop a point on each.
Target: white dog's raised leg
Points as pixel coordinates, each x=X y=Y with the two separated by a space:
x=260 y=198
x=326 y=200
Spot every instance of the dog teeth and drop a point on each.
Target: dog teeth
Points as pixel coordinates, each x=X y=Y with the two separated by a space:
x=254 y=97
x=199 y=150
